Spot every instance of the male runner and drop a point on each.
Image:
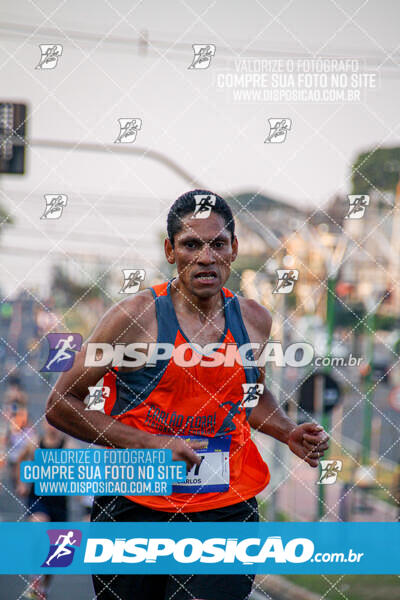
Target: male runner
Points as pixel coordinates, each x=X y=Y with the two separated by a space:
x=154 y=405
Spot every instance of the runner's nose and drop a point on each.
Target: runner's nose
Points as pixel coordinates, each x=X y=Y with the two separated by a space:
x=206 y=255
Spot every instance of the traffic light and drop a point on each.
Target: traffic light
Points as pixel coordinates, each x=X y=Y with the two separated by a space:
x=12 y=137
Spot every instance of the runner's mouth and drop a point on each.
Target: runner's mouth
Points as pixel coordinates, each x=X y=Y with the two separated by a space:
x=206 y=276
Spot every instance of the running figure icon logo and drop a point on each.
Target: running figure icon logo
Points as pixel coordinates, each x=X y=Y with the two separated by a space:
x=286 y=280
x=128 y=129
x=278 y=129
x=329 y=471
x=204 y=204
x=62 y=351
x=63 y=543
x=97 y=397
x=234 y=408
x=50 y=53
x=132 y=279
x=357 y=205
x=251 y=394
x=54 y=206
x=203 y=54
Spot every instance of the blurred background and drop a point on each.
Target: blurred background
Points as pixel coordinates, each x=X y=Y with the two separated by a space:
x=290 y=200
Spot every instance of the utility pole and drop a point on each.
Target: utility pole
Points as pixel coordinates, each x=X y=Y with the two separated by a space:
x=325 y=417
x=395 y=248
x=368 y=387
x=332 y=262
x=276 y=446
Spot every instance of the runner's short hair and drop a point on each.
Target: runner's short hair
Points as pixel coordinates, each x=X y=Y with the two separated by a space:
x=186 y=204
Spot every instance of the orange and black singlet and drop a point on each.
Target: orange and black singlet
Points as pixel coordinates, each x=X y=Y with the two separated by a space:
x=197 y=400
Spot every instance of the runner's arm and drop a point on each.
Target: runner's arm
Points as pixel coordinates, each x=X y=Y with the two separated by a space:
x=308 y=441
x=65 y=407
x=268 y=417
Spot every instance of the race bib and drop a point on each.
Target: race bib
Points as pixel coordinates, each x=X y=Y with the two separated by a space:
x=212 y=475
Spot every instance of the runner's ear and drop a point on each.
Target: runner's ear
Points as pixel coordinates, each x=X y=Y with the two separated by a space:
x=169 y=251
x=235 y=248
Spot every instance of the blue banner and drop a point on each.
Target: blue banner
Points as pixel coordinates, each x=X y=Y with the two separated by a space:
x=285 y=548
x=89 y=472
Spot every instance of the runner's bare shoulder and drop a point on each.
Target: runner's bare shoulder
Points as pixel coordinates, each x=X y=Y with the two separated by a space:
x=257 y=319
x=131 y=319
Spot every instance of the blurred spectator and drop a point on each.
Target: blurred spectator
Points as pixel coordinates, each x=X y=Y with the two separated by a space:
x=18 y=431
x=42 y=508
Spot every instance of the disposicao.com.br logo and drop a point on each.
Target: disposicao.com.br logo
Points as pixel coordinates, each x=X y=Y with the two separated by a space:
x=248 y=551
x=139 y=354
x=62 y=547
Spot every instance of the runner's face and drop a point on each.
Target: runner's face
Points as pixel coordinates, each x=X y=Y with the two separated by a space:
x=203 y=253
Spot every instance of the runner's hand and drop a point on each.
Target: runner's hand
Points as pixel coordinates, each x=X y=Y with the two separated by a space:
x=182 y=449
x=309 y=441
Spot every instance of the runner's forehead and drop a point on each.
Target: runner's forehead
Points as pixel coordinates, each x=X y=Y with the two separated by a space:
x=206 y=230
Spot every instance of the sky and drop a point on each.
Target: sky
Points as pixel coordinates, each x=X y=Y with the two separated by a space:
x=186 y=115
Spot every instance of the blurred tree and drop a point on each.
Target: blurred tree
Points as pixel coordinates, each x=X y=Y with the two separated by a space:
x=5 y=219
x=67 y=292
x=379 y=168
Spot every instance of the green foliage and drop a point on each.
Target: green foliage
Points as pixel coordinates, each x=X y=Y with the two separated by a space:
x=349 y=587
x=385 y=322
x=349 y=315
x=379 y=168
x=353 y=316
x=5 y=218
x=291 y=302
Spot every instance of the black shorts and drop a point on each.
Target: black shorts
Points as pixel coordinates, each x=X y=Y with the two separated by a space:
x=55 y=507
x=170 y=587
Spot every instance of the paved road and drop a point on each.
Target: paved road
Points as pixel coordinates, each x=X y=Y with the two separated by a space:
x=353 y=407
x=76 y=587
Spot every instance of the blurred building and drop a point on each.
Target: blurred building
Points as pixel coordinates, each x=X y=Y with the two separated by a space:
x=93 y=236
